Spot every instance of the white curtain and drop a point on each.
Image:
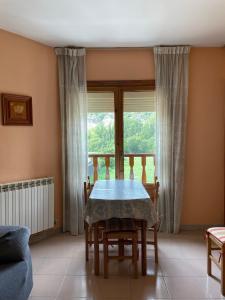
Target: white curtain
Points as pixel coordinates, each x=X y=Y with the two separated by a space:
x=171 y=73
x=73 y=105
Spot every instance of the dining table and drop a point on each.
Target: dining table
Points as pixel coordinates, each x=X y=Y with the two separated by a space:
x=120 y=198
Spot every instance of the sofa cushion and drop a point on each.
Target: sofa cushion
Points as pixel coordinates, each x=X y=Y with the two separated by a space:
x=14 y=245
x=16 y=280
x=5 y=229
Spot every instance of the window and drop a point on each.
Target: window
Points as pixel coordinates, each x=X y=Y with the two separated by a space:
x=121 y=130
x=101 y=133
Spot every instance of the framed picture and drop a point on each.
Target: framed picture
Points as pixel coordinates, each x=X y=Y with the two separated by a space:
x=16 y=110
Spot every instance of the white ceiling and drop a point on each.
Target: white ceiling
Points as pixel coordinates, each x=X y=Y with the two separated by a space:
x=116 y=23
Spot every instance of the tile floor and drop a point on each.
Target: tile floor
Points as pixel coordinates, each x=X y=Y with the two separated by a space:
x=61 y=273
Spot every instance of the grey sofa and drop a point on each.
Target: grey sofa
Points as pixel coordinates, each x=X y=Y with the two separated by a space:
x=15 y=263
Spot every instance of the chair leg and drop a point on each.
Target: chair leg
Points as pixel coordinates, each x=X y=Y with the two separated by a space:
x=135 y=255
x=223 y=271
x=143 y=247
x=86 y=241
x=209 y=251
x=156 y=244
x=106 y=258
x=96 y=248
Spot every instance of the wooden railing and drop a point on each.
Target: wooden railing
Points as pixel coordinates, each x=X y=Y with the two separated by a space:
x=131 y=156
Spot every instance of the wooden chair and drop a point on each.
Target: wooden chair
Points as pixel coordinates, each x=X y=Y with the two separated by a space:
x=216 y=241
x=120 y=230
x=87 y=228
x=154 y=194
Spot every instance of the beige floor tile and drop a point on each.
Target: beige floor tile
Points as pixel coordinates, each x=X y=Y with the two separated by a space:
x=66 y=298
x=61 y=246
x=60 y=271
x=186 y=267
x=78 y=266
x=51 y=251
x=36 y=263
x=113 y=287
x=69 y=298
x=182 y=246
x=185 y=288
x=193 y=288
x=52 y=266
x=79 y=252
x=169 y=251
x=100 y=298
x=41 y=298
x=75 y=287
x=149 y=287
x=152 y=268
x=118 y=268
x=46 y=285
x=193 y=251
x=183 y=267
x=215 y=271
x=213 y=287
x=125 y=267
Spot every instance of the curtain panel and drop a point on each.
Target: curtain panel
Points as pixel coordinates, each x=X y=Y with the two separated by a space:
x=171 y=73
x=73 y=107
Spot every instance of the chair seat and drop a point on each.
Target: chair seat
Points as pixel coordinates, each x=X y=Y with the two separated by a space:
x=218 y=233
x=120 y=225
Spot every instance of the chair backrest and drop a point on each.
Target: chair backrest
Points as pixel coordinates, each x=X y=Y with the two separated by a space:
x=87 y=189
x=154 y=191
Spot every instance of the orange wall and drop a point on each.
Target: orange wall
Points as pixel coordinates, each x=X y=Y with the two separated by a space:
x=204 y=176
x=204 y=184
x=29 y=152
x=29 y=68
x=120 y=64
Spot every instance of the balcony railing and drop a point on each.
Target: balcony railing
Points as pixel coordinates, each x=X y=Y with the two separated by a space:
x=131 y=158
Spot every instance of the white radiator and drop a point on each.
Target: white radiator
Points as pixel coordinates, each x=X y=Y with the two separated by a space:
x=28 y=203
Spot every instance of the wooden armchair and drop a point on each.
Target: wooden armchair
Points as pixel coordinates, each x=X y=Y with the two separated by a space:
x=216 y=242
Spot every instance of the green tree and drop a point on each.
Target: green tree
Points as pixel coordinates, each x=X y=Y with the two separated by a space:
x=139 y=137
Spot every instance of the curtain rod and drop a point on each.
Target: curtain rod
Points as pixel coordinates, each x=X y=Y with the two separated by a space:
x=105 y=48
x=115 y=48
x=120 y=48
x=124 y=48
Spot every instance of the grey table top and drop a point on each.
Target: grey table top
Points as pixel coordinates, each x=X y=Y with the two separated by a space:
x=118 y=190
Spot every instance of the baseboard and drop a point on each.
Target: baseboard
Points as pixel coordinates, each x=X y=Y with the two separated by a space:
x=37 y=237
x=198 y=226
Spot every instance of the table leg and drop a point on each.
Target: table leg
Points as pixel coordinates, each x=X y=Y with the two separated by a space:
x=121 y=249
x=96 y=249
x=143 y=247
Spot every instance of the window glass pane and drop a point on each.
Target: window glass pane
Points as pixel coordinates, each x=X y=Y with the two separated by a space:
x=101 y=132
x=139 y=119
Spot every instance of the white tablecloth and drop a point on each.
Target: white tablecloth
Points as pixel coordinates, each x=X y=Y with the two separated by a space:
x=119 y=199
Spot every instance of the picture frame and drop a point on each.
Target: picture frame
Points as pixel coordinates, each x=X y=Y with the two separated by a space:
x=17 y=110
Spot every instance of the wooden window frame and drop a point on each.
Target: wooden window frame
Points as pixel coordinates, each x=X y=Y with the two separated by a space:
x=118 y=87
